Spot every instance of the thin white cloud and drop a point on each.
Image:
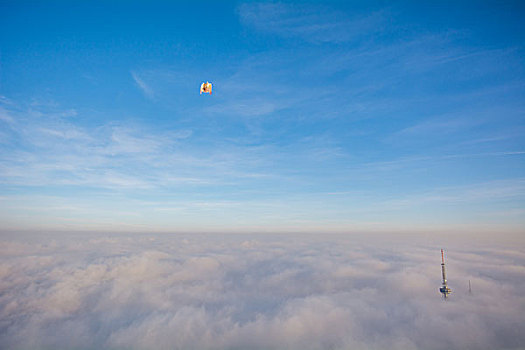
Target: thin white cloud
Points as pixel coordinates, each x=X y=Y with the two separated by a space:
x=5 y=116
x=312 y=23
x=440 y=126
x=145 y=88
x=474 y=193
x=60 y=151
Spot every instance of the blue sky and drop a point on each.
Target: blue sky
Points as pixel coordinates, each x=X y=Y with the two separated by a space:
x=332 y=116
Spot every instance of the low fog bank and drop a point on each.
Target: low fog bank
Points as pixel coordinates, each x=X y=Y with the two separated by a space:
x=256 y=292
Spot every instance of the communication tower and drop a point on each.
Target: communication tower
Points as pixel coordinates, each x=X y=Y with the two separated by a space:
x=445 y=290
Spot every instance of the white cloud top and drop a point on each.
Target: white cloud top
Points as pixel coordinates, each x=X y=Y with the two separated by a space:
x=254 y=292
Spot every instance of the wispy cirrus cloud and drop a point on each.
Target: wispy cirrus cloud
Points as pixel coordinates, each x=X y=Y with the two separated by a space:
x=144 y=87
x=154 y=175
x=513 y=189
x=440 y=126
x=312 y=23
x=57 y=150
x=5 y=116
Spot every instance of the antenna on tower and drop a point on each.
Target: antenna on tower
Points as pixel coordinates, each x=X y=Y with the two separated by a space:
x=445 y=290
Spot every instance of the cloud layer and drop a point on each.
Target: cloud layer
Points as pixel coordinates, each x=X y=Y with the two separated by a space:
x=254 y=292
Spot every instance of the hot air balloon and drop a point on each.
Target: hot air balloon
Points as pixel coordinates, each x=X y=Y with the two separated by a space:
x=206 y=88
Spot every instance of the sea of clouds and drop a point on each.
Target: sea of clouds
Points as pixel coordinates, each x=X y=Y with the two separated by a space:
x=212 y=291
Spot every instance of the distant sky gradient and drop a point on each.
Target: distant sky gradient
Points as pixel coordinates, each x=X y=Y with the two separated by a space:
x=337 y=116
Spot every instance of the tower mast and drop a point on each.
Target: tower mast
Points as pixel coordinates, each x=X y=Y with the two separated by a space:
x=445 y=290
